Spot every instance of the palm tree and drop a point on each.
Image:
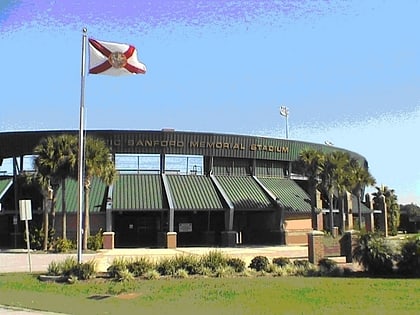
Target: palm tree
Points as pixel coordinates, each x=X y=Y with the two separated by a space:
x=97 y=164
x=332 y=177
x=55 y=162
x=359 y=177
x=309 y=163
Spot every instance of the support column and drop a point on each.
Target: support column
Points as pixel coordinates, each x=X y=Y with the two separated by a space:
x=171 y=241
x=315 y=246
x=349 y=211
x=319 y=217
x=108 y=240
x=351 y=240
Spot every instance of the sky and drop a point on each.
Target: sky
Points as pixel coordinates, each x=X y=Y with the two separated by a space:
x=348 y=71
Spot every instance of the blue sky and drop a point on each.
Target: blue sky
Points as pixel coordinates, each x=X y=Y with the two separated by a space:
x=349 y=72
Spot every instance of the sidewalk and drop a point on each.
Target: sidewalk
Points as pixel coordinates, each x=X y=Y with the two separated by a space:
x=18 y=260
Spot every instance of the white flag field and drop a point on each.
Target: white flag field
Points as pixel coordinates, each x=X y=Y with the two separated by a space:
x=115 y=59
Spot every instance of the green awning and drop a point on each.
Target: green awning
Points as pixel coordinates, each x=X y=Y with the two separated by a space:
x=96 y=196
x=194 y=192
x=290 y=195
x=245 y=193
x=137 y=192
x=5 y=184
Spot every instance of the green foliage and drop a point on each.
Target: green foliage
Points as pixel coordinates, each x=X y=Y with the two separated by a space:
x=237 y=264
x=259 y=263
x=214 y=259
x=117 y=266
x=165 y=267
x=374 y=254
x=139 y=266
x=152 y=275
x=327 y=266
x=224 y=272
x=189 y=263
x=181 y=273
x=85 y=271
x=95 y=242
x=409 y=265
x=54 y=269
x=124 y=275
x=61 y=245
x=70 y=268
x=281 y=261
x=37 y=236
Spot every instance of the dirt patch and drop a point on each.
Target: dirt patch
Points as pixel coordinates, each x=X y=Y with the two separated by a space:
x=127 y=296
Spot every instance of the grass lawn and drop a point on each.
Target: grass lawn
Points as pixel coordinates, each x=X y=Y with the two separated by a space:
x=247 y=295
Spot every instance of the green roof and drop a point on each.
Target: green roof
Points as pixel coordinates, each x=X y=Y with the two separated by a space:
x=137 y=192
x=194 y=193
x=290 y=195
x=245 y=193
x=96 y=196
x=5 y=184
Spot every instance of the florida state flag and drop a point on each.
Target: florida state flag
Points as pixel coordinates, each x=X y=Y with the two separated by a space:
x=113 y=58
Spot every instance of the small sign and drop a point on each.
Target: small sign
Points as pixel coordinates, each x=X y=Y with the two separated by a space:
x=185 y=227
x=25 y=210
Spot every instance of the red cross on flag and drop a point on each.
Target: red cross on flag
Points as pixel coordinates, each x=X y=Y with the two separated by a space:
x=113 y=58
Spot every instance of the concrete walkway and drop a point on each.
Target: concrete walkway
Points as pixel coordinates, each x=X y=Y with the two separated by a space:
x=18 y=260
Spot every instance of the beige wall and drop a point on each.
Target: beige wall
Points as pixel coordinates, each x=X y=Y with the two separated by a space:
x=298 y=224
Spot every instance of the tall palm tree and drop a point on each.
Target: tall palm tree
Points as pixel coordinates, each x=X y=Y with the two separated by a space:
x=342 y=160
x=309 y=163
x=359 y=177
x=55 y=162
x=98 y=163
x=67 y=146
x=332 y=173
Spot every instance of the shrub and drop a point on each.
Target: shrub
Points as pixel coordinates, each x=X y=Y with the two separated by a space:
x=181 y=273
x=85 y=271
x=214 y=260
x=117 y=266
x=68 y=266
x=188 y=263
x=139 y=266
x=224 y=271
x=61 y=245
x=374 y=254
x=37 y=236
x=259 y=263
x=124 y=275
x=281 y=261
x=237 y=264
x=151 y=275
x=302 y=263
x=409 y=265
x=327 y=266
x=95 y=242
x=54 y=269
x=165 y=267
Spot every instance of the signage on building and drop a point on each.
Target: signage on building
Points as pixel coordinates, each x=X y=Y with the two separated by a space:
x=185 y=227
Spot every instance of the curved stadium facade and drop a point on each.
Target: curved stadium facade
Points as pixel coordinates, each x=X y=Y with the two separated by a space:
x=245 y=191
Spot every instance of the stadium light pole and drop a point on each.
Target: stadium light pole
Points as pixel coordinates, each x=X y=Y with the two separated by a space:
x=284 y=111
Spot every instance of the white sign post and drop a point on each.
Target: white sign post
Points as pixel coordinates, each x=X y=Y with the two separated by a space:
x=25 y=211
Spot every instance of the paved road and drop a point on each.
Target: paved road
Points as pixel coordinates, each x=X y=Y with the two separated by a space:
x=6 y=310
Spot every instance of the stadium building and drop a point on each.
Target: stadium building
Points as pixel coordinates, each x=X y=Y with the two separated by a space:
x=227 y=190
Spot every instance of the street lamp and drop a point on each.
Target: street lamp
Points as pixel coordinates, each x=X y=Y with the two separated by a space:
x=284 y=111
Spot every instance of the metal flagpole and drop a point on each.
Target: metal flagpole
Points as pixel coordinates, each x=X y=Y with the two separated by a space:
x=80 y=176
